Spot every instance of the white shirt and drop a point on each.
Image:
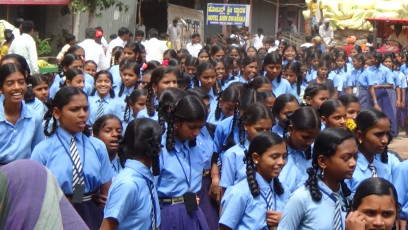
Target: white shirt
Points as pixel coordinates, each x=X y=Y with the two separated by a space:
x=25 y=46
x=16 y=32
x=326 y=33
x=193 y=49
x=94 y=52
x=115 y=42
x=174 y=32
x=257 y=40
x=154 y=49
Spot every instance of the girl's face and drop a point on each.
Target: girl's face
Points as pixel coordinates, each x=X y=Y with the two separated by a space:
x=290 y=107
x=291 y=76
x=187 y=130
x=168 y=81
x=387 y=62
x=375 y=139
x=371 y=61
x=207 y=79
x=145 y=80
x=251 y=52
x=103 y=84
x=42 y=91
x=315 y=63
x=182 y=64
x=290 y=54
x=77 y=64
x=280 y=48
x=264 y=124
x=322 y=71
x=337 y=119
x=80 y=53
x=14 y=88
x=270 y=101
x=265 y=87
x=272 y=70
x=227 y=108
x=271 y=162
x=249 y=71
x=366 y=49
x=379 y=211
x=90 y=69
x=139 y=105
x=357 y=64
x=303 y=70
x=340 y=62
x=73 y=116
x=353 y=52
x=129 y=53
x=352 y=110
x=191 y=70
x=302 y=139
x=109 y=134
x=220 y=71
x=77 y=81
x=317 y=100
x=204 y=57
x=219 y=55
x=129 y=77
x=342 y=163
x=234 y=54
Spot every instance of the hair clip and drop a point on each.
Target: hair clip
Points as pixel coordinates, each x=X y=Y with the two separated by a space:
x=30 y=85
x=351 y=125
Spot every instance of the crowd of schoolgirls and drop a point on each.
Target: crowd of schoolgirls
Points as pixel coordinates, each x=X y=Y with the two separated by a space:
x=229 y=140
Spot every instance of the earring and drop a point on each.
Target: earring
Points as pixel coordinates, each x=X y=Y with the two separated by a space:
x=256 y=162
x=322 y=174
x=360 y=141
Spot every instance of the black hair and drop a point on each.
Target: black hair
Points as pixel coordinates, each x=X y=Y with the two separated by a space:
x=7 y=69
x=27 y=26
x=61 y=99
x=184 y=81
x=116 y=54
x=366 y=120
x=122 y=31
x=66 y=61
x=258 y=81
x=325 y=145
x=273 y=58
x=203 y=66
x=70 y=74
x=379 y=58
x=296 y=67
x=171 y=52
x=153 y=33
x=187 y=109
x=313 y=89
x=142 y=139
x=281 y=101
x=325 y=63
x=136 y=69
x=37 y=79
x=92 y=62
x=287 y=47
x=97 y=75
x=8 y=35
x=329 y=106
x=346 y=99
x=167 y=99
x=73 y=48
x=230 y=94
x=131 y=100
x=151 y=65
x=139 y=33
x=135 y=47
x=195 y=35
x=360 y=57
x=261 y=142
x=90 y=33
x=214 y=50
x=100 y=123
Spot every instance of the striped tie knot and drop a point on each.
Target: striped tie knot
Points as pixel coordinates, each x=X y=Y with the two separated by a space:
x=337 y=212
x=373 y=171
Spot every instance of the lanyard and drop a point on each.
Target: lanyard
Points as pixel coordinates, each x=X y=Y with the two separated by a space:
x=151 y=196
x=81 y=173
x=189 y=162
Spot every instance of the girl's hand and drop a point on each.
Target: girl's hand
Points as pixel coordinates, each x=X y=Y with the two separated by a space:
x=398 y=105
x=273 y=218
x=215 y=190
x=99 y=199
x=355 y=221
x=376 y=106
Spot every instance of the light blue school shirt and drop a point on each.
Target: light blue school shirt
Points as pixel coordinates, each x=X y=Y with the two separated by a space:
x=396 y=78
x=117 y=80
x=231 y=79
x=294 y=173
x=211 y=117
x=89 y=83
x=342 y=77
x=381 y=75
x=233 y=166
x=177 y=173
x=294 y=91
x=55 y=86
x=143 y=114
x=277 y=129
x=18 y=141
x=116 y=166
x=404 y=69
x=96 y=166
x=311 y=75
x=243 y=211
x=302 y=212
x=110 y=106
x=208 y=144
x=222 y=132
x=337 y=82
x=282 y=87
x=126 y=92
x=400 y=181
x=129 y=200
x=362 y=171
x=403 y=80
x=363 y=76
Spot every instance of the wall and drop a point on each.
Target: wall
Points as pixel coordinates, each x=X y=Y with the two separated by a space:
x=264 y=16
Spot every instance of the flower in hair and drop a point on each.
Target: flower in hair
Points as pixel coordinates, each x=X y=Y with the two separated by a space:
x=64 y=78
x=351 y=124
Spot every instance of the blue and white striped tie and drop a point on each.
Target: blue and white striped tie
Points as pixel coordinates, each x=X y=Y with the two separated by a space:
x=337 y=212
x=99 y=112
x=152 y=211
x=76 y=166
x=269 y=199
x=373 y=171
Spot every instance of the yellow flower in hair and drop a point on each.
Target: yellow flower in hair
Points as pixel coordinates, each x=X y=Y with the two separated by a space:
x=351 y=125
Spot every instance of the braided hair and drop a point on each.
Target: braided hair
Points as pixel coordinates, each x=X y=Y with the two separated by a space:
x=261 y=142
x=131 y=100
x=230 y=94
x=69 y=75
x=142 y=139
x=325 y=145
x=135 y=67
x=167 y=99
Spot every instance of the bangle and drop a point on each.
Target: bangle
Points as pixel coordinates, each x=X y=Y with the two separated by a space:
x=375 y=102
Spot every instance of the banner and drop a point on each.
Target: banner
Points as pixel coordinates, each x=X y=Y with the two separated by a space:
x=228 y=14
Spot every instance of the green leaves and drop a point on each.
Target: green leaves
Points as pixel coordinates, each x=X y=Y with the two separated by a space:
x=96 y=5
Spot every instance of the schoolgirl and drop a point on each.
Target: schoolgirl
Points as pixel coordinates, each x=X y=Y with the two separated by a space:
x=102 y=99
x=257 y=118
x=73 y=77
x=251 y=51
x=90 y=68
x=289 y=54
x=402 y=82
x=220 y=73
x=248 y=69
x=313 y=58
x=324 y=199
x=117 y=57
x=206 y=78
x=323 y=70
x=162 y=78
x=69 y=61
x=132 y=201
x=292 y=73
x=226 y=105
x=168 y=55
x=315 y=95
x=217 y=52
x=231 y=72
x=135 y=102
x=285 y=104
x=132 y=52
x=302 y=128
x=352 y=105
x=267 y=97
x=41 y=87
x=258 y=201
x=203 y=55
x=373 y=136
x=79 y=162
x=181 y=166
x=341 y=70
x=234 y=52
x=393 y=93
x=191 y=66
x=260 y=83
x=360 y=83
x=130 y=75
x=272 y=65
x=354 y=51
x=80 y=52
x=108 y=129
x=333 y=114
x=17 y=140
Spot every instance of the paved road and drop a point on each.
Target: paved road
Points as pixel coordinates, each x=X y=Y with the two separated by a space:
x=400 y=145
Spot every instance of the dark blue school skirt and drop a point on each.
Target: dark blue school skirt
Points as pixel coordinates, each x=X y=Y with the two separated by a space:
x=209 y=206
x=175 y=217
x=90 y=213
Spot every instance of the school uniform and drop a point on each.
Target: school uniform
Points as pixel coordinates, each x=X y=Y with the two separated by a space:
x=132 y=199
x=392 y=94
x=143 y=114
x=282 y=87
x=243 y=211
x=233 y=166
x=294 y=91
x=402 y=113
x=56 y=85
x=302 y=212
x=311 y=74
x=117 y=79
x=36 y=106
x=18 y=140
x=360 y=80
x=342 y=76
x=116 y=166
x=222 y=132
x=328 y=83
x=337 y=81
x=400 y=181
x=126 y=92
x=89 y=83
x=109 y=106
x=277 y=129
x=180 y=172
x=54 y=153
x=294 y=173
x=212 y=119
x=363 y=171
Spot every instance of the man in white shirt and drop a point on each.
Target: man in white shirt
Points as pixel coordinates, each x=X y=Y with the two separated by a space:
x=154 y=47
x=326 y=32
x=308 y=42
x=103 y=41
x=174 y=32
x=194 y=46
x=258 y=39
x=93 y=51
x=123 y=36
x=17 y=27
x=26 y=47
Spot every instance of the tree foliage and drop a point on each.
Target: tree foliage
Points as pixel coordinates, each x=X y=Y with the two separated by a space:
x=93 y=6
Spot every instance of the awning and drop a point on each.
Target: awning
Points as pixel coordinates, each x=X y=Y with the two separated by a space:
x=388 y=21
x=35 y=2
